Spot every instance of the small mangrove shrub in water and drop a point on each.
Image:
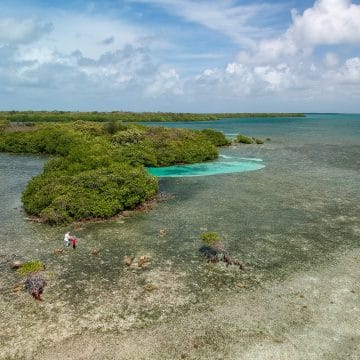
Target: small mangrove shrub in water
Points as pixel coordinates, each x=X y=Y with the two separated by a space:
x=210 y=238
x=214 y=250
x=243 y=139
x=30 y=267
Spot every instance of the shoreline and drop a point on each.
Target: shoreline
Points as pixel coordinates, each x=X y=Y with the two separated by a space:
x=147 y=206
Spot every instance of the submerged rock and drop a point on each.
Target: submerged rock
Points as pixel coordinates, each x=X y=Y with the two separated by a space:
x=128 y=260
x=216 y=252
x=35 y=284
x=137 y=262
x=143 y=261
x=16 y=264
x=58 y=251
x=162 y=232
x=150 y=287
x=17 y=288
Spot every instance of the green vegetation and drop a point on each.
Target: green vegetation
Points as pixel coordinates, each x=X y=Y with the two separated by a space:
x=3 y=124
x=125 y=116
x=97 y=170
x=31 y=266
x=216 y=137
x=244 y=139
x=159 y=146
x=210 y=238
x=248 y=140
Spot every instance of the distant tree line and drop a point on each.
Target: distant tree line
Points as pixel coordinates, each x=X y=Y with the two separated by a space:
x=125 y=116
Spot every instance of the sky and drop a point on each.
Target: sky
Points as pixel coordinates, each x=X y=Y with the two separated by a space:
x=180 y=55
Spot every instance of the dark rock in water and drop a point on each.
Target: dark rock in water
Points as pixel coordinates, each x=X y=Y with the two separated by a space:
x=216 y=253
x=209 y=252
x=35 y=284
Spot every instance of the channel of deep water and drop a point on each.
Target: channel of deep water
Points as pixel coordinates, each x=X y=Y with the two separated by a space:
x=292 y=215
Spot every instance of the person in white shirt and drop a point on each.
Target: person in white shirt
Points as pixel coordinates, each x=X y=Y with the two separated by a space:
x=67 y=239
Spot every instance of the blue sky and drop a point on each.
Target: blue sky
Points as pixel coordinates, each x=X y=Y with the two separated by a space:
x=180 y=55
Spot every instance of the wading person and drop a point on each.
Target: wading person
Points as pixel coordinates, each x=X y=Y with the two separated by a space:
x=73 y=242
x=67 y=239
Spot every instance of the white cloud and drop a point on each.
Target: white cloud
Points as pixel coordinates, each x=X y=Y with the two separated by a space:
x=82 y=58
x=276 y=78
x=331 y=59
x=13 y=31
x=165 y=82
x=87 y=33
x=287 y=84
x=328 y=22
x=241 y=23
x=349 y=73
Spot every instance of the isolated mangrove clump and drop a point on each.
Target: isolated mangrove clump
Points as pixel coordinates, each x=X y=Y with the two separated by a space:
x=30 y=267
x=210 y=238
x=214 y=250
x=243 y=139
x=33 y=280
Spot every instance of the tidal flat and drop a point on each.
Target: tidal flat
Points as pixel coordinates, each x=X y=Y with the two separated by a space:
x=294 y=223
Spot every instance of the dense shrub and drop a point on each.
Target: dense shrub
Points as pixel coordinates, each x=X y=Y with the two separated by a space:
x=128 y=136
x=114 y=126
x=97 y=193
x=210 y=238
x=248 y=140
x=159 y=146
x=244 y=139
x=217 y=138
x=3 y=124
x=40 y=140
x=30 y=267
x=174 y=146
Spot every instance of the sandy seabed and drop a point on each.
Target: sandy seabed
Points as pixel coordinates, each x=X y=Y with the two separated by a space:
x=311 y=315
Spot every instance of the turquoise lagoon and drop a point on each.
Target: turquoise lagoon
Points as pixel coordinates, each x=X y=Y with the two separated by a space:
x=231 y=165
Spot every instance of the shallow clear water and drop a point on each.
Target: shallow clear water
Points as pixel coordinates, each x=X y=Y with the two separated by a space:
x=295 y=212
x=312 y=127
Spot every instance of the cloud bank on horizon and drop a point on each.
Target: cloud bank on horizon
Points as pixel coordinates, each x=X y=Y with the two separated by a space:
x=183 y=55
